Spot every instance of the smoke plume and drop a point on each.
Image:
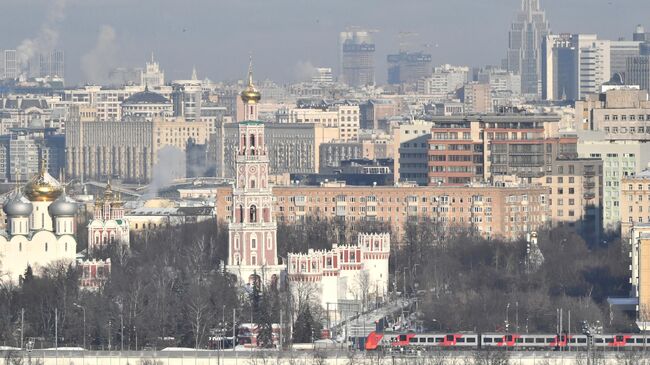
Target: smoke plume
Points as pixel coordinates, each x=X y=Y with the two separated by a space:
x=48 y=34
x=170 y=165
x=304 y=71
x=99 y=61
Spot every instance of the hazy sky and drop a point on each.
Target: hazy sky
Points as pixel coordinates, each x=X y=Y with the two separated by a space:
x=284 y=36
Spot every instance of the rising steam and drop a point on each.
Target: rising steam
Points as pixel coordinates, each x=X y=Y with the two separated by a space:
x=48 y=34
x=99 y=61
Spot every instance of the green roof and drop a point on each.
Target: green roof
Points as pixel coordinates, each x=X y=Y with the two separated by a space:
x=252 y=122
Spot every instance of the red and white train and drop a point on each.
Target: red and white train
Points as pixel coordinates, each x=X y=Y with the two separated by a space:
x=387 y=341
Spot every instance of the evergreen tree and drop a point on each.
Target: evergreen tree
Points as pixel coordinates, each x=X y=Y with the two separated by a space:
x=260 y=304
x=303 y=330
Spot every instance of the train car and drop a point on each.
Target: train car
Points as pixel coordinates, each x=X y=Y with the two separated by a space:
x=621 y=341
x=399 y=341
x=532 y=341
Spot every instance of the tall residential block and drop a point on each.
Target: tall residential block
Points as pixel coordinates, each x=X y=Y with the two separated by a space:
x=408 y=67
x=357 y=63
x=574 y=65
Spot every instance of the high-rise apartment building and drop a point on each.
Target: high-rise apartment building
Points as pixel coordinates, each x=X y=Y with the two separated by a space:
x=410 y=141
x=10 y=64
x=446 y=79
x=477 y=148
x=502 y=82
x=52 y=64
x=408 y=67
x=524 y=42
x=619 y=52
x=357 y=63
x=187 y=98
x=620 y=160
x=343 y=116
x=635 y=202
x=477 y=98
x=637 y=71
x=323 y=75
x=622 y=114
x=574 y=65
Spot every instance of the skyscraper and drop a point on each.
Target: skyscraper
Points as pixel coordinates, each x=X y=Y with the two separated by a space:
x=573 y=65
x=11 y=64
x=357 y=63
x=524 y=45
x=52 y=64
x=408 y=67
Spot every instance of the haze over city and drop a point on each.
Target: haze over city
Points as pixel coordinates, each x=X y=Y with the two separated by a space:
x=312 y=183
x=286 y=36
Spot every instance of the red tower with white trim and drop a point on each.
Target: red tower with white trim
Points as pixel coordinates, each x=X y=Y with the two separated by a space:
x=252 y=229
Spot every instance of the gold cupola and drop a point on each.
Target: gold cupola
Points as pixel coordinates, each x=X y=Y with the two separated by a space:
x=250 y=95
x=43 y=187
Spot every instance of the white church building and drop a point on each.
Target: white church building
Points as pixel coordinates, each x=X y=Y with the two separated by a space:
x=40 y=228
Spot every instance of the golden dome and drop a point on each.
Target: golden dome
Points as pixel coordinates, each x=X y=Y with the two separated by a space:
x=250 y=95
x=43 y=187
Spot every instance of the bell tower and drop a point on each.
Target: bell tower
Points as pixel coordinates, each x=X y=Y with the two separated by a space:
x=252 y=228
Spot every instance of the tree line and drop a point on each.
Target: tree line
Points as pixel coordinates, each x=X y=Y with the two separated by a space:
x=170 y=288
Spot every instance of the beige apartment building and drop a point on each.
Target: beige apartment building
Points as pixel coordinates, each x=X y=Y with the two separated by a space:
x=506 y=212
x=575 y=191
x=127 y=150
x=623 y=114
x=635 y=201
x=345 y=117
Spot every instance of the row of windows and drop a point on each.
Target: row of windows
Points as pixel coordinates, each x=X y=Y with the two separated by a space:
x=627 y=117
x=631 y=130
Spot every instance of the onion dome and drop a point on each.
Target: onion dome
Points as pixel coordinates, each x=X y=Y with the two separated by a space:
x=18 y=206
x=43 y=187
x=250 y=95
x=63 y=207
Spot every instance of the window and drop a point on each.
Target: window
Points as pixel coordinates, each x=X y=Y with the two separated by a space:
x=254 y=243
x=253 y=214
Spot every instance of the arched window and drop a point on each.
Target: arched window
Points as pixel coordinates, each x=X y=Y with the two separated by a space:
x=253 y=260
x=253 y=214
x=241 y=214
x=252 y=184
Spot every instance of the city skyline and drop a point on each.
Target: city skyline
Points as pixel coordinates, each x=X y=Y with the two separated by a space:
x=120 y=39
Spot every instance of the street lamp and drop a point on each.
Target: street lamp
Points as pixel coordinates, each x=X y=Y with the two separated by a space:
x=507 y=322
x=83 y=309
